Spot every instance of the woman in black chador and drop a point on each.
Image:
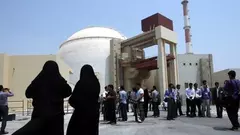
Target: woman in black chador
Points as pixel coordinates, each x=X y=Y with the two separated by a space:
x=84 y=100
x=48 y=91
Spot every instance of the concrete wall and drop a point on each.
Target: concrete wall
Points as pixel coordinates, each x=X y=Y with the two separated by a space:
x=4 y=64
x=17 y=72
x=190 y=68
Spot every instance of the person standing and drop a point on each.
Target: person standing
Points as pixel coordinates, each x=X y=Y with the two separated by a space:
x=4 y=94
x=146 y=102
x=198 y=100
x=179 y=99
x=111 y=99
x=175 y=115
x=190 y=94
x=123 y=103
x=47 y=91
x=132 y=99
x=134 y=103
x=105 y=117
x=206 y=97
x=140 y=100
x=217 y=92
x=170 y=97
x=232 y=87
x=85 y=118
x=156 y=102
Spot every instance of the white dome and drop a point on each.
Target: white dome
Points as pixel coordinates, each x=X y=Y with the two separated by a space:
x=96 y=32
x=90 y=46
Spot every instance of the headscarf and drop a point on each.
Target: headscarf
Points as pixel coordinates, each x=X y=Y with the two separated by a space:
x=50 y=73
x=87 y=88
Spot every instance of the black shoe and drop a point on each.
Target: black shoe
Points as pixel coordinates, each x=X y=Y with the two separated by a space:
x=3 y=132
x=234 y=128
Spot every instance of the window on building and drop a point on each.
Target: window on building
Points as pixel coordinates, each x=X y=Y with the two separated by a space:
x=184 y=64
x=196 y=64
x=186 y=85
x=190 y=64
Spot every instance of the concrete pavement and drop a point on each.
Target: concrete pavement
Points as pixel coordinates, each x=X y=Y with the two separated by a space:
x=155 y=126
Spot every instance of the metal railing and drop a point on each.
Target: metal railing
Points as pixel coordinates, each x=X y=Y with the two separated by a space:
x=19 y=106
x=16 y=106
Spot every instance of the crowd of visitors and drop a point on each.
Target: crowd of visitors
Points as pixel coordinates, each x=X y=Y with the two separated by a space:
x=49 y=89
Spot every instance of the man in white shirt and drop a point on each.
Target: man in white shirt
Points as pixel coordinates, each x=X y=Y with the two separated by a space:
x=104 y=95
x=123 y=103
x=190 y=94
x=198 y=100
x=140 y=100
x=179 y=99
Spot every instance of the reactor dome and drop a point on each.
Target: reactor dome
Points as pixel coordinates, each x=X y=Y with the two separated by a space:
x=89 y=46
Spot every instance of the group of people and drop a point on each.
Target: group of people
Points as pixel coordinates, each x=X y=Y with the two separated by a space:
x=137 y=98
x=48 y=91
x=200 y=99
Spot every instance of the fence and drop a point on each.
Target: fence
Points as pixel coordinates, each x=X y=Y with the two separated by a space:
x=16 y=106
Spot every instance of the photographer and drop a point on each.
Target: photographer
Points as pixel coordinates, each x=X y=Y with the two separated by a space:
x=4 y=94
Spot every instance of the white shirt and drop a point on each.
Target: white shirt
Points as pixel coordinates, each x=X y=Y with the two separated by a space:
x=155 y=96
x=139 y=92
x=217 y=92
x=198 y=93
x=190 y=93
x=104 y=94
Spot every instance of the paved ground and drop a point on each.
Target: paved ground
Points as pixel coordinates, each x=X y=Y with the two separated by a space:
x=156 y=126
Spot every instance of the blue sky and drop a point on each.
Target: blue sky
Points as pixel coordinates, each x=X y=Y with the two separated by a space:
x=39 y=27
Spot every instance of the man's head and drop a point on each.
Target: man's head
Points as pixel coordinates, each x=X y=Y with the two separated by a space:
x=121 y=88
x=138 y=86
x=106 y=88
x=204 y=82
x=190 y=85
x=6 y=89
x=232 y=74
x=1 y=88
x=178 y=86
x=170 y=86
x=195 y=85
x=154 y=87
x=110 y=87
x=134 y=89
x=217 y=84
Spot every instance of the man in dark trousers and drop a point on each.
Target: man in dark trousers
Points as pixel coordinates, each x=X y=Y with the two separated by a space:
x=232 y=87
x=179 y=99
x=170 y=98
x=217 y=96
x=4 y=94
x=146 y=102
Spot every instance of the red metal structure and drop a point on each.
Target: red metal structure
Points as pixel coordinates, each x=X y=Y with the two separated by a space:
x=150 y=63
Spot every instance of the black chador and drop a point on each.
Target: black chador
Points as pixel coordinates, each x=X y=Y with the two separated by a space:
x=84 y=100
x=47 y=90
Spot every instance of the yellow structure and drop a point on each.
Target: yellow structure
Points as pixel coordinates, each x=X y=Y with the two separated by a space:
x=17 y=72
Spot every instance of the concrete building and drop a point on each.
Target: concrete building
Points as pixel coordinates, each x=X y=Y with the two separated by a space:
x=17 y=72
x=90 y=46
x=222 y=75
